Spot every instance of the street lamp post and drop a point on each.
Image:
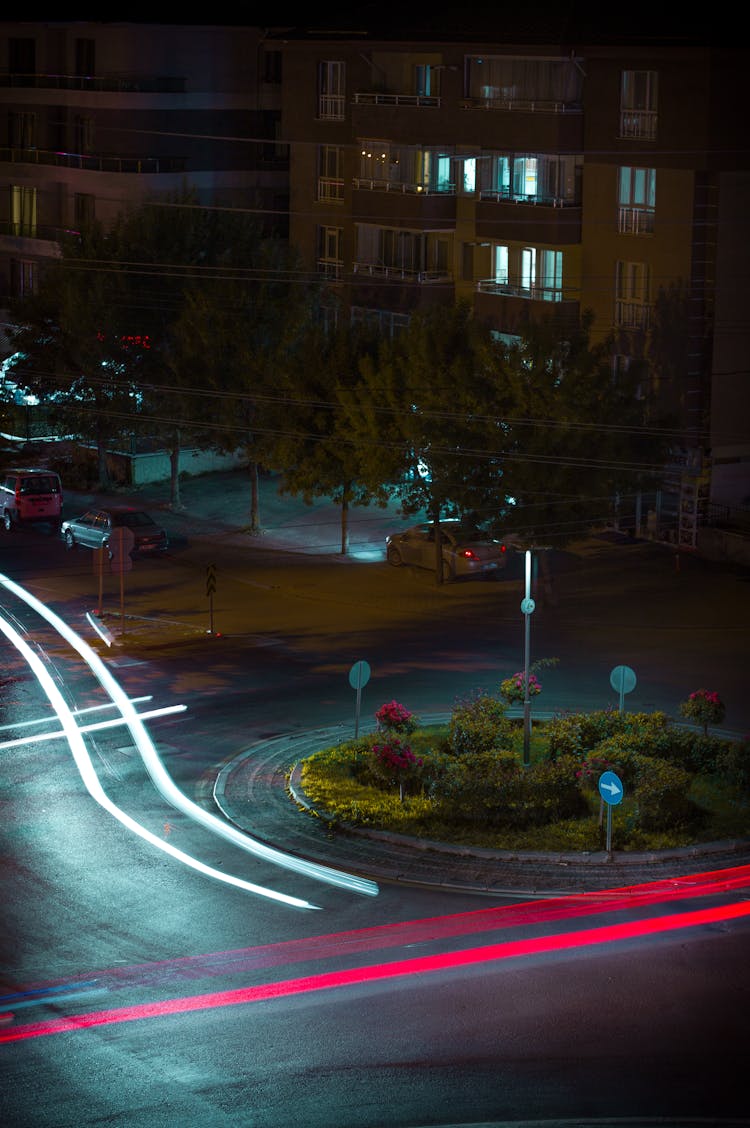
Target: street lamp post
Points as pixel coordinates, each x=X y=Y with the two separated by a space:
x=527 y=608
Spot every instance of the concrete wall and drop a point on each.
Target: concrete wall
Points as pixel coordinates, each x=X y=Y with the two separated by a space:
x=720 y=544
x=141 y=469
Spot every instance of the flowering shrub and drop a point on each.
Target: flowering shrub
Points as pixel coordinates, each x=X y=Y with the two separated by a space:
x=514 y=688
x=393 y=717
x=396 y=762
x=705 y=707
x=478 y=724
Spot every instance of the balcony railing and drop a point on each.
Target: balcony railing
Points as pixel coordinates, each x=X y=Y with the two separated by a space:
x=330 y=190
x=381 y=98
x=632 y=315
x=380 y=184
x=331 y=107
x=638 y=123
x=331 y=270
x=635 y=221
x=93 y=162
x=34 y=231
x=122 y=84
x=403 y=273
x=499 y=101
x=531 y=293
x=502 y=195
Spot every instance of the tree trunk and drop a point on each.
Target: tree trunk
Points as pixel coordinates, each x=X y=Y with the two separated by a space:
x=102 y=469
x=174 y=471
x=438 y=547
x=345 y=522
x=254 y=501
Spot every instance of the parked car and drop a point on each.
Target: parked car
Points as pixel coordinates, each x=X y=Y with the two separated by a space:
x=466 y=551
x=30 y=496
x=95 y=527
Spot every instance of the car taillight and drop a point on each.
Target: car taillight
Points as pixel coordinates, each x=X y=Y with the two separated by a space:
x=503 y=548
x=469 y=554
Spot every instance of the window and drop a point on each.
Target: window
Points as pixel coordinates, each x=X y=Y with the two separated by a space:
x=550 y=278
x=331 y=90
x=330 y=173
x=524 y=83
x=383 y=320
x=528 y=268
x=500 y=265
x=85 y=56
x=83 y=134
x=330 y=251
x=632 y=285
x=23 y=277
x=426 y=80
x=470 y=175
x=22 y=61
x=638 y=104
x=272 y=66
x=23 y=210
x=22 y=129
x=84 y=204
x=544 y=178
x=637 y=200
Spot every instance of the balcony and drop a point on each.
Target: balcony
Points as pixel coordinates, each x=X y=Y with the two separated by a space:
x=383 y=98
x=331 y=270
x=537 y=218
x=121 y=84
x=531 y=293
x=632 y=315
x=493 y=98
x=638 y=124
x=330 y=190
x=93 y=162
x=635 y=221
x=401 y=273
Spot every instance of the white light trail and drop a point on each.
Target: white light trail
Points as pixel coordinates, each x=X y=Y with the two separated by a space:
x=97 y=726
x=163 y=781
x=75 y=712
x=90 y=778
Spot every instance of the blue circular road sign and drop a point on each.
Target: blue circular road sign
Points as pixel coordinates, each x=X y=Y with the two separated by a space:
x=610 y=788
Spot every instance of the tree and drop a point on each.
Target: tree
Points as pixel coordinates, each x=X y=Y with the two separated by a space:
x=424 y=417
x=310 y=439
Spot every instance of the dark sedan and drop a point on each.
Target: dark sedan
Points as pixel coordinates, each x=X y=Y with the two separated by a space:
x=95 y=528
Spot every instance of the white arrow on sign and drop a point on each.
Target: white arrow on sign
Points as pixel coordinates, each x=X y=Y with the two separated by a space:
x=612 y=788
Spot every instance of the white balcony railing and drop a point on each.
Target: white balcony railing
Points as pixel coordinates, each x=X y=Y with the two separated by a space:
x=330 y=190
x=638 y=123
x=328 y=269
x=380 y=184
x=531 y=293
x=632 y=315
x=331 y=107
x=635 y=221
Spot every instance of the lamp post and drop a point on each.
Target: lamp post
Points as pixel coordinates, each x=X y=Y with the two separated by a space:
x=527 y=608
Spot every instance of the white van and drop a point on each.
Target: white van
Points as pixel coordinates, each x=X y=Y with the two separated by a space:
x=28 y=496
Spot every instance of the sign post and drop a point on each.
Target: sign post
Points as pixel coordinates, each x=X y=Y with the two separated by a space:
x=121 y=544
x=622 y=679
x=527 y=609
x=611 y=791
x=359 y=675
x=210 y=590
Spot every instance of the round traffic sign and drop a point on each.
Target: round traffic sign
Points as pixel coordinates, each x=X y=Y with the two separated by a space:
x=359 y=675
x=610 y=788
x=527 y=605
x=622 y=678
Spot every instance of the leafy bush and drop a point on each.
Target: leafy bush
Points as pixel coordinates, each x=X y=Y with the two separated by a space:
x=705 y=707
x=478 y=724
x=661 y=795
x=733 y=764
x=394 y=717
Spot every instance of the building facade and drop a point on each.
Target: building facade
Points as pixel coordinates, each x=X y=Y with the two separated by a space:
x=536 y=180
x=543 y=182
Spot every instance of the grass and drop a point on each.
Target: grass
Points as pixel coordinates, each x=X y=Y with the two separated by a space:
x=330 y=781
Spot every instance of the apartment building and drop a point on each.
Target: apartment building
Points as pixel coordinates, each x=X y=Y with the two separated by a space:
x=97 y=117
x=535 y=179
x=542 y=181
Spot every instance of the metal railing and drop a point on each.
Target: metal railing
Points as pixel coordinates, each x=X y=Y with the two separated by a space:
x=381 y=98
x=532 y=293
x=403 y=273
x=93 y=162
x=632 y=315
x=505 y=196
x=635 y=221
x=638 y=123
x=120 y=84
x=524 y=105
x=381 y=184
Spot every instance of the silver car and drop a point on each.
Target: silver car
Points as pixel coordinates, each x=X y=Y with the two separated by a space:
x=466 y=551
x=95 y=527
